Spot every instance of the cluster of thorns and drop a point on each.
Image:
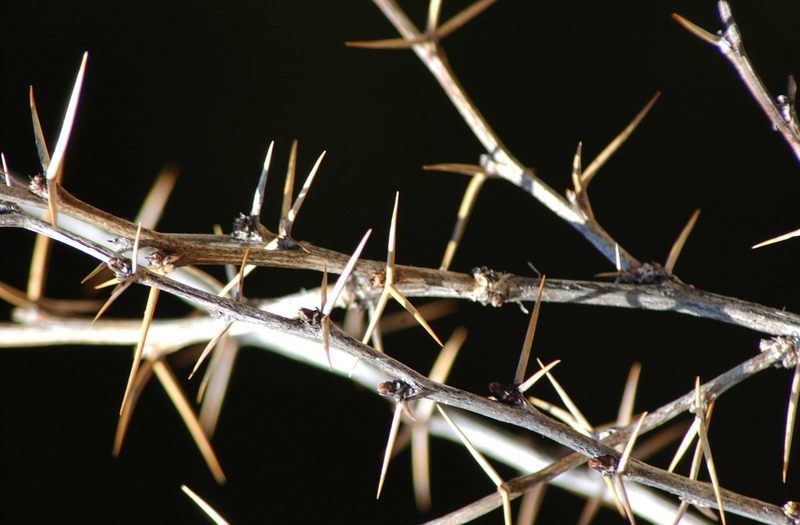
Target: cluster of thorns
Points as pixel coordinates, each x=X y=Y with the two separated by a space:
x=411 y=405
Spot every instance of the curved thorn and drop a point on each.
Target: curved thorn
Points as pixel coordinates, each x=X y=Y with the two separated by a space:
x=524 y=356
x=677 y=247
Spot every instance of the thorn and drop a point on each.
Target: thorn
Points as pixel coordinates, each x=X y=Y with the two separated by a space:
x=135 y=251
x=214 y=385
x=617 y=258
x=677 y=247
x=791 y=414
x=589 y=173
x=684 y=446
x=420 y=453
x=323 y=290
x=327 y=307
x=176 y=395
x=623 y=495
x=258 y=197
x=530 y=504
x=400 y=298
x=120 y=288
x=210 y=346
x=625 y=411
x=462 y=169
x=696 y=30
x=387 y=43
x=5 y=170
x=694 y=470
x=285 y=229
x=702 y=432
x=145 y=371
x=288 y=186
x=99 y=268
x=41 y=145
x=557 y=412
x=239 y=296
x=387 y=455
x=205 y=507
x=392 y=242
x=106 y=284
x=622 y=466
x=395 y=322
x=464 y=210
x=153 y=205
x=147 y=319
x=527 y=384
x=56 y=166
x=420 y=466
x=522 y=365
x=573 y=409
x=376 y=314
x=484 y=464
x=434 y=8
x=461 y=19
x=775 y=240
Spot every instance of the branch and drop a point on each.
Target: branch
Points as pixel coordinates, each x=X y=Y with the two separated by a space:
x=499 y=160
x=728 y=41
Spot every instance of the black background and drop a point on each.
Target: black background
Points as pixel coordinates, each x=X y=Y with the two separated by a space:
x=206 y=86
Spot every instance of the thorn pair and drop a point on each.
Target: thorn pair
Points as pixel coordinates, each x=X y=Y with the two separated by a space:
x=581 y=178
x=433 y=31
x=649 y=273
x=389 y=288
x=702 y=415
x=156 y=364
x=322 y=315
x=420 y=416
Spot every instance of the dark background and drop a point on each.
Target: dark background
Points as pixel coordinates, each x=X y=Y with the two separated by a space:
x=206 y=86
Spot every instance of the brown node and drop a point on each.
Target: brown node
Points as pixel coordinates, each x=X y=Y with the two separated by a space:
x=506 y=394
x=605 y=465
x=398 y=390
x=491 y=287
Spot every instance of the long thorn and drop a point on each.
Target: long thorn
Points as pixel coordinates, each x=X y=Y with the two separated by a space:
x=625 y=411
x=387 y=455
x=153 y=205
x=461 y=18
x=209 y=347
x=258 y=197
x=147 y=319
x=291 y=216
x=400 y=298
x=790 y=419
x=434 y=8
x=328 y=306
x=390 y=253
x=528 y=383
x=288 y=186
x=56 y=166
x=145 y=371
x=484 y=464
x=464 y=210
x=779 y=238
x=205 y=507
x=38 y=135
x=591 y=170
x=178 y=398
x=525 y=354
x=6 y=173
x=115 y=293
x=376 y=315
x=702 y=432
x=571 y=406
x=677 y=247
x=696 y=30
